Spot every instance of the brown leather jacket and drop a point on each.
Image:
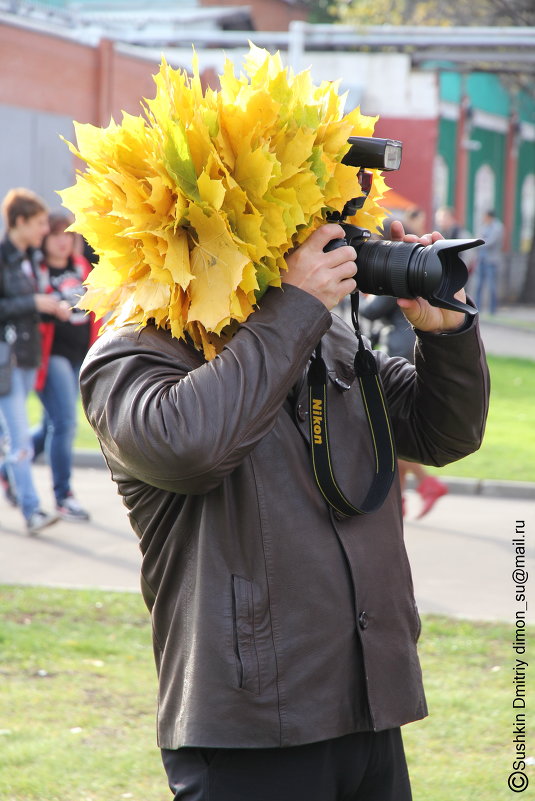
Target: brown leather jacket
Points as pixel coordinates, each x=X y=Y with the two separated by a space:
x=274 y=624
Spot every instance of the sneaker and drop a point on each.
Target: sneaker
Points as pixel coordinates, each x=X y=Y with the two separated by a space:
x=70 y=509
x=40 y=520
x=430 y=490
x=10 y=493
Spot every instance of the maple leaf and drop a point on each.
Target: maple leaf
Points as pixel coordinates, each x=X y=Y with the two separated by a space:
x=218 y=268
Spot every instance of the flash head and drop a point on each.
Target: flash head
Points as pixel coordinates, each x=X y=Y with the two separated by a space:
x=373 y=153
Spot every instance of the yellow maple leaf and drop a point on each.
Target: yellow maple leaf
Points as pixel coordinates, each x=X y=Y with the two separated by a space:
x=217 y=266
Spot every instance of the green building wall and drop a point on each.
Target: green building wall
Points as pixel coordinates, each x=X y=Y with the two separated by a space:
x=486 y=93
x=492 y=152
x=447 y=139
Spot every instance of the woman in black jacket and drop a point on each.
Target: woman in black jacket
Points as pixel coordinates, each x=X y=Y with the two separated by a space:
x=22 y=302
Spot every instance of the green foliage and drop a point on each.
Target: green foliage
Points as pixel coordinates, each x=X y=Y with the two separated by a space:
x=322 y=11
x=435 y=12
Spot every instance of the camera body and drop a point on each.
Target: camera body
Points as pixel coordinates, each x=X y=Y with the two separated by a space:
x=400 y=269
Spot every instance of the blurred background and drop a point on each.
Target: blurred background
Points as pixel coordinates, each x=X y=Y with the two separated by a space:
x=454 y=84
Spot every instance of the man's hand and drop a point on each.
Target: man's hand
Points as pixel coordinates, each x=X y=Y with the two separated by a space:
x=419 y=312
x=327 y=276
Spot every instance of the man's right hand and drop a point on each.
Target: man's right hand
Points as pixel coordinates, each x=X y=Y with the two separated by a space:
x=327 y=276
x=48 y=304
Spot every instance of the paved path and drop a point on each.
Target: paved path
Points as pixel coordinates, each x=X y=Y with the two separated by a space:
x=501 y=340
x=103 y=552
x=461 y=553
x=463 y=557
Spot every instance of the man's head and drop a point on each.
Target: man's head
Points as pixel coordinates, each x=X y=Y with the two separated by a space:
x=25 y=217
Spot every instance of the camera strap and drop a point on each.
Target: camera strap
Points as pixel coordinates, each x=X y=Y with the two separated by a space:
x=378 y=422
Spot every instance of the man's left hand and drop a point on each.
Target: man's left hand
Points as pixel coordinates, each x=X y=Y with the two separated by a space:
x=418 y=311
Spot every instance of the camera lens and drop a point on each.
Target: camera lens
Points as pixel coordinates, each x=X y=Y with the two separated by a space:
x=410 y=270
x=394 y=268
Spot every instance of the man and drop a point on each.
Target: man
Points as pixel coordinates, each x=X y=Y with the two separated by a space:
x=22 y=301
x=489 y=260
x=284 y=633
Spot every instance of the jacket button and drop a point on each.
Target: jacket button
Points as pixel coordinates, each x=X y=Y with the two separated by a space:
x=301 y=412
x=363 y=620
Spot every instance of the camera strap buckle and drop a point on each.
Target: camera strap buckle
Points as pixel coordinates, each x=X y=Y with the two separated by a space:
x=378 y=423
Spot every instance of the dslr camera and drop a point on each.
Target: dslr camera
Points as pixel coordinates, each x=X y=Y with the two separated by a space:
x=400 y=269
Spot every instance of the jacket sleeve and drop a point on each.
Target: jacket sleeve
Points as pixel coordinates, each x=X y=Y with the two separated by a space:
x=439 y=407
x=184 y=429
x=19 y=306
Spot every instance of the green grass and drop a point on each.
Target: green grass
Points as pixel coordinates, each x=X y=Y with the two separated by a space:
x=78 y=699
x=464 y=750
x=509 y=444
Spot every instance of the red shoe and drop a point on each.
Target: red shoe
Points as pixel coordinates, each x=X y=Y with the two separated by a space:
x=430 y=490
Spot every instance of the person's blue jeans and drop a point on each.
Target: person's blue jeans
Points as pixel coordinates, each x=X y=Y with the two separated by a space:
x=486 y=274
x=19 y=451
x=55 y=434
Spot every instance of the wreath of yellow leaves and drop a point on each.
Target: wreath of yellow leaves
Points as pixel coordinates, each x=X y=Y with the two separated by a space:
x=192 y=206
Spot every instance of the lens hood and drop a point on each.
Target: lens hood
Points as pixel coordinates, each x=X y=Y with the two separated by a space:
x=439 y=272
x=411 y=270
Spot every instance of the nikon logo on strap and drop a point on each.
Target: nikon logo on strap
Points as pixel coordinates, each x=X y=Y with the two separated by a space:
x=317 y=420
x=378 y=423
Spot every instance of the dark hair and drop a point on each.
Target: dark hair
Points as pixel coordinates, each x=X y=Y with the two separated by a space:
x=23 y=203
x=58 y=222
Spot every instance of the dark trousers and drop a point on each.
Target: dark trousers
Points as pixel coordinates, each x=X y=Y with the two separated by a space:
x=366 y=766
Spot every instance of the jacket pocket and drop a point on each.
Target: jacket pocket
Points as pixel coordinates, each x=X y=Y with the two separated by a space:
x=244 y=634
x=417 y=623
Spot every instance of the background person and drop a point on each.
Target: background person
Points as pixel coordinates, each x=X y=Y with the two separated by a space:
x=65 y=344
x=447 y=223
x=488 y=261
x=414 y=221
x=22 y=301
